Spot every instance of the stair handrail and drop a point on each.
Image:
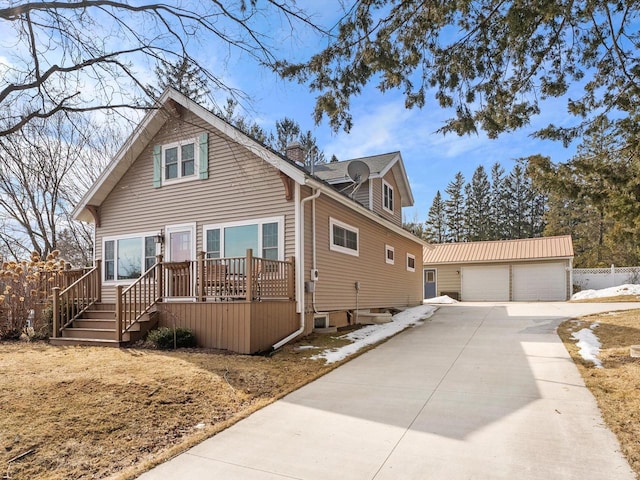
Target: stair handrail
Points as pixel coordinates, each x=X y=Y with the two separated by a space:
x=77 y=298
x=138 y=298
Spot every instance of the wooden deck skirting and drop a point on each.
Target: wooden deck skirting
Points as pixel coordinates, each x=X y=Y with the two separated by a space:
x=241 y=326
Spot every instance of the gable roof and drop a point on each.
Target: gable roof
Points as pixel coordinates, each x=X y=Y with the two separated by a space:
x=379 y=165
x=153 y=122
x=500 y=250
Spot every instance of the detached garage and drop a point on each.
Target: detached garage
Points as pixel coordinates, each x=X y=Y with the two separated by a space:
x=531 y=269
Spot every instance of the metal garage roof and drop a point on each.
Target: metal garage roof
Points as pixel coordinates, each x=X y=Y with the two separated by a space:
x=500 y=250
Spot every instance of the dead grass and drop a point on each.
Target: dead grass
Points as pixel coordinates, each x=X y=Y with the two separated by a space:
x=84 y=412
x=616 y=386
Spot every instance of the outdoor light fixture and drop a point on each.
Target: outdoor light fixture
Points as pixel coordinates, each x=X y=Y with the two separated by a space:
x=159 y=238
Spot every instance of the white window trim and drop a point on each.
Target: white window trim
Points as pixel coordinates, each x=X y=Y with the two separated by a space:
x=390 y=261
x=115 y=239
x=255 y=221
x=196 y=162
x=409 y=255
x=180 y=228
x=340 y=248
x=393 y=197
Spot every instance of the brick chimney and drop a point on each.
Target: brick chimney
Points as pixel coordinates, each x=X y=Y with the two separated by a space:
x=295 y=152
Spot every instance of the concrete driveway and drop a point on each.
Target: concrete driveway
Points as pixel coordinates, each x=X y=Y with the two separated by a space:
x=480 y=391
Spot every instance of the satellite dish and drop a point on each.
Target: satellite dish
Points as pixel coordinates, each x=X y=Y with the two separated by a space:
x=358 y=171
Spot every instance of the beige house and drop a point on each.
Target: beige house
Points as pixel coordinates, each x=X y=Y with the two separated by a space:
x=201 y=226
x=531 y=269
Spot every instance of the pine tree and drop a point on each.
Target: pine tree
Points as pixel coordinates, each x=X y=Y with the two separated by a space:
x=454 y=209
x=520 y=194
x=435 y=226
x=499 y=208
x=184 y=76
x=478 y=206
x=288 y=131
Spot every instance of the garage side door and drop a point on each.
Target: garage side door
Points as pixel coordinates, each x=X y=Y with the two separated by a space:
x=485 y=283
x=539 y=282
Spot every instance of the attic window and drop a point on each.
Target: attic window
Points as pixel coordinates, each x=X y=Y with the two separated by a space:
x=179 y=160
x=387 y=197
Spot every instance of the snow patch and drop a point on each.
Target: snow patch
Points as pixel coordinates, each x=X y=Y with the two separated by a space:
x=589 y=344
x=374 y=333
x=628 y=289
x=444 y=299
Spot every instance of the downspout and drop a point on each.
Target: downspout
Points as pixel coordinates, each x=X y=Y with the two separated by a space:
x=300 y=273
x=313 y=247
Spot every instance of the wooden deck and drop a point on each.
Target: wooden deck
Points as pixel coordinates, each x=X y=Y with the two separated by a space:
x=244 y=304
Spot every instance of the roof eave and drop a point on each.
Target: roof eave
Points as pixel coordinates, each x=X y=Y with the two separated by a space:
x=149 y=126
x=330 y=192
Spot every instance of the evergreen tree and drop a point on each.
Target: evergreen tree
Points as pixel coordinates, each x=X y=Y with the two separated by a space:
x=499 y=208
x=478 y=206
x=288 y=131
x=184 y=76
x=454 y=209
x=518 y=189
x=435 y=226
x=251 y=128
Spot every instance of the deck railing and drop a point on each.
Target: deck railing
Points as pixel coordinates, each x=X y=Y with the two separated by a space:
x=70 y=303
x=137 y=299
x=235 y=278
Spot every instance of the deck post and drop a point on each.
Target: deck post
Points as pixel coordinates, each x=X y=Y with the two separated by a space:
x=55 y=291
x=291 y=289
x=249 y=274
x=98 y=293
x=200 y=276
x=159 y=278
x=119 y=312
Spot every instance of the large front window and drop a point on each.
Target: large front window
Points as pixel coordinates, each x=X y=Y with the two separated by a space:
x=128 y=257
x=263 y=236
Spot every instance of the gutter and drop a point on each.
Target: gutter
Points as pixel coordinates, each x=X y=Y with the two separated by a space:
x=300 y=272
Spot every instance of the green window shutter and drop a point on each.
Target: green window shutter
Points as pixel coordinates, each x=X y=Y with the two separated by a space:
x=157 y=166
x=204 y=155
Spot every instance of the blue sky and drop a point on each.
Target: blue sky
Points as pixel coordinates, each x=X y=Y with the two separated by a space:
x=382 y=124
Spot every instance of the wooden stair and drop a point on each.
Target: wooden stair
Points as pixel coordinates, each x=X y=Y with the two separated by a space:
x=97 y=327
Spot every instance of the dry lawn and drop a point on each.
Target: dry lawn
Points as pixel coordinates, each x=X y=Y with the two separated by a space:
x=86 y=412
x=616 y=386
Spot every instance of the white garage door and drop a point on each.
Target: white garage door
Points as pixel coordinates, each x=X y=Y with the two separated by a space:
x=540 y=281
x=485 y=283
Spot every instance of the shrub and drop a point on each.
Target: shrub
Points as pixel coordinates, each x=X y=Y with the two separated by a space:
x=24 y=287
x=163 y=338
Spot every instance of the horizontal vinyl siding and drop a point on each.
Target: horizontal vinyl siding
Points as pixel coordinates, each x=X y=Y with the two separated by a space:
x=396 y=217
x=381 y=284
x=240 y=186
x=447 y=278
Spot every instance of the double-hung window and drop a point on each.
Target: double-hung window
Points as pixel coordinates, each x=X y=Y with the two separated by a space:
x=387 y=197
x=179 y=160
x=126 y=258
x=264 y=236
x=344 y=237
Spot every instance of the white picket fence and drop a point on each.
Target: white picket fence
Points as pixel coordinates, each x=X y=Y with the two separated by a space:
x=597 y=278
